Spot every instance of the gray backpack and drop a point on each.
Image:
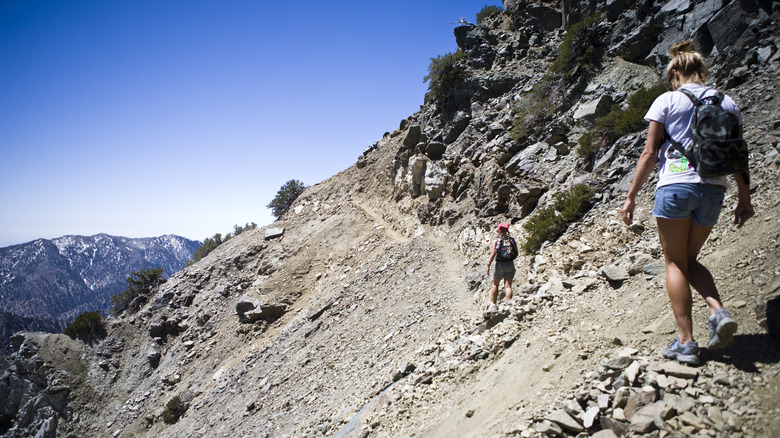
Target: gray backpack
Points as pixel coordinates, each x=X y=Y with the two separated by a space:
x=716 y=149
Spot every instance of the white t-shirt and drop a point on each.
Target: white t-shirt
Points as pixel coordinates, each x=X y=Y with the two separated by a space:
x=675 y=111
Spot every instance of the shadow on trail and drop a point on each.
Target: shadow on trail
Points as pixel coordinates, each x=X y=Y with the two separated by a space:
x=747 y=351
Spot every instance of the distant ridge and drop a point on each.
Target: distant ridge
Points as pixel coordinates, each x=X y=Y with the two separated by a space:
x=57 y=279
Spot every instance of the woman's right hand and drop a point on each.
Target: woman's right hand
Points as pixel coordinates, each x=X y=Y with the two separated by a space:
x=627 y=212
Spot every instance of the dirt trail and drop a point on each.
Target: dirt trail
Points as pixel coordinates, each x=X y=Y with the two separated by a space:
x=381 y=222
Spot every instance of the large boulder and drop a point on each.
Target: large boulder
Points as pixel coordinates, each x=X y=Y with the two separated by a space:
x=587 y=112
x=250 y=310
x=435 y=182
x=416 y=174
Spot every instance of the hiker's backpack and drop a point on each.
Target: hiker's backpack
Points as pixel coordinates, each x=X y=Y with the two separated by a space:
x=507 y=248
x=716 y=149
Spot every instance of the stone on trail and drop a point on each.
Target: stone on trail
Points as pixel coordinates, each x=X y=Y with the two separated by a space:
x=632 y=372
x=615 y=273
x=564 y=420
x=618 y=363
x=619 y=428
x=590 y=417
x=675 y=369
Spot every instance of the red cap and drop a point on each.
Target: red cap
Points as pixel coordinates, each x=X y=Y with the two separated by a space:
x=503 y=225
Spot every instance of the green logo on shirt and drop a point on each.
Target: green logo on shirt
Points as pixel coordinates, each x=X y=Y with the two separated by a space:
x=681 y=167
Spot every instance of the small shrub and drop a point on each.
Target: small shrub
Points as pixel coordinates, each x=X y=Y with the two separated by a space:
x=535 y=111
x=138 y=290
x=210 y=243
x=286 y=195
x=89 y=326
x=619 y=122
x=174 y=409
x=578 y=48
x=550 y=222
x=444 y=73
x=488 y=12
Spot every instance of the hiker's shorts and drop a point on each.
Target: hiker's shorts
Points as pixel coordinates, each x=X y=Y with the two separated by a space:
x=505 y=270
x=700 y=202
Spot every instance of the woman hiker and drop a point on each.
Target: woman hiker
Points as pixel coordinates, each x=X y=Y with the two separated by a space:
x=687 y=205
x=504 y=251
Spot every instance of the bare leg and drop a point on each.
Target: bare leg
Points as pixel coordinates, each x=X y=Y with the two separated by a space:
x=698 y=275
x=674 y=234
x=682 y=239
x=508 y=288
x=494 y=291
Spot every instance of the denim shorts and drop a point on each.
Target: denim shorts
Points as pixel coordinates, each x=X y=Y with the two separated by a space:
x=700 y=202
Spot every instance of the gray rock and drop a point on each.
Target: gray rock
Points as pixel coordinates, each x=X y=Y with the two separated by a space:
x=590 y=416
x=548 y=428
x=632 y=372
x=642 y=424
x=615 y=273
x=459 y=123
x=622 y=396
x=677 y=370
x=619 y=428
x=606 y=433
x=572 y=408
x=412 y=136
x=273 y=233
x=250 y=311
x=603 y=401
x=435 y=182
x=691 y=419
x=434 y=150
x=561 y=418
x=416 y=176
x=589 y=111
x=619 y=363
x=153 y=356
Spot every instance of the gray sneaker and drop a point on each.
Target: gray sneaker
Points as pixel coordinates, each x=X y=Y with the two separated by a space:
x=685 y=353
x=722 y=329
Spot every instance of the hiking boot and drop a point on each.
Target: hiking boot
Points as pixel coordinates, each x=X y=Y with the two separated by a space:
x=493 y=307
x=722 y=329
x=685 y=353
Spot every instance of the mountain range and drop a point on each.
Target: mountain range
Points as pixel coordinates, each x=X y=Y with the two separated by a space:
x=48 y=282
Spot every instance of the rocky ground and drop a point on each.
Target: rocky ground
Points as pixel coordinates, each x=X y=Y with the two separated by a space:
x=355 y=314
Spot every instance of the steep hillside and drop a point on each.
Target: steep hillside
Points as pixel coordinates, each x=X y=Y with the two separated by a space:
x=354 y=315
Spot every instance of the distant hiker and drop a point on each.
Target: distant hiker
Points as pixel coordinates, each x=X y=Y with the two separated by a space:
x=504 y=251
x=687 y=205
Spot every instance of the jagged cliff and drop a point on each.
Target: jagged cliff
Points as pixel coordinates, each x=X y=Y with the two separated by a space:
x=353 y=314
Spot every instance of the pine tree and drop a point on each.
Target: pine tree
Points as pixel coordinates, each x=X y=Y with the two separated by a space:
x=286 y=195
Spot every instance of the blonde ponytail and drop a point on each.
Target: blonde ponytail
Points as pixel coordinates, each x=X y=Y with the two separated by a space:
x=689 y=64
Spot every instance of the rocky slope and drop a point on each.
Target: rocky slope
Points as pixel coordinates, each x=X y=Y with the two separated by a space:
x=354 y=315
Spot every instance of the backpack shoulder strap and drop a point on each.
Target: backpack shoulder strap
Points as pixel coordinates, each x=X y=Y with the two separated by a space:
x=695 y=100
x=675 y=144
x=717 y=98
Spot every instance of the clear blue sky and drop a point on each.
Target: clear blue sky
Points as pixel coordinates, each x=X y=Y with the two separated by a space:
x=141 y=118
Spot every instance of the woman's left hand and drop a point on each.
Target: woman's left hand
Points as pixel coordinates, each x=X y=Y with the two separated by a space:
x=743 y=212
